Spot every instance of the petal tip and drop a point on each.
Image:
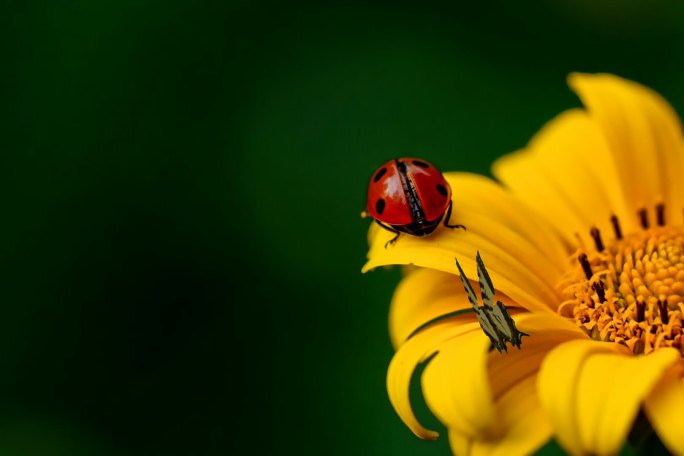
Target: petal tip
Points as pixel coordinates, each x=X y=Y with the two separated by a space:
x=429 y=435
x=575 y=77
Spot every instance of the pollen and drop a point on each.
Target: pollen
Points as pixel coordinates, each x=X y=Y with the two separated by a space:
x=630 y=290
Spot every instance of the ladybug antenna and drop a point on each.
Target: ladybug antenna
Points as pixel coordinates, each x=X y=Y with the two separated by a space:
x=364 y=214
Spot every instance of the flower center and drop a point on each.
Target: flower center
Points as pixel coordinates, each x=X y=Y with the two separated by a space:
x=631 y=291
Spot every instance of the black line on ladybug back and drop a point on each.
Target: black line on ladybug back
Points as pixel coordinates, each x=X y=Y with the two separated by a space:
x=417 y=211
x=381 y=172
x=420 y=164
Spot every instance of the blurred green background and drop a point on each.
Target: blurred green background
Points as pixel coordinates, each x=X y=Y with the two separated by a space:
x=181 y=188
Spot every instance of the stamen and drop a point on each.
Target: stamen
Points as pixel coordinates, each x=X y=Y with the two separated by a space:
x=639 y=347
x=596 y=234
x=640 y=309
x=585 y=265
x=616 y=226
x=598 y=288
x=643 y=217
x=662 y=308
x=660 y=211
x=630 y=291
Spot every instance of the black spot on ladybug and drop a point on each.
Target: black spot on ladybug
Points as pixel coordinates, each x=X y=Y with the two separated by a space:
x=442 y=190
x=381 y=172
x=380 y=206
x=420 y=164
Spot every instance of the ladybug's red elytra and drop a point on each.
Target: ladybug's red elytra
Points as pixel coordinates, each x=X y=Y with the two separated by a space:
x=409 y=195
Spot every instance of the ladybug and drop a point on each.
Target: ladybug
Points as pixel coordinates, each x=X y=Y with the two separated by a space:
x=409 y=195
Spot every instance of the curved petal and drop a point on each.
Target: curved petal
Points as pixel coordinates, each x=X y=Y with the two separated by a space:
x=664 y=409
x=546 y=332
x=644 y=135
x=522 y=173
x=463 y=383
x=508 y=274
x=566 y=173
x=416 y=350
x=490 y=403
x=474 y=194
x=456 y=385
x=592 y=392
x=426 y=294
x=556 y=382
x=522 y=417
x=461 y=444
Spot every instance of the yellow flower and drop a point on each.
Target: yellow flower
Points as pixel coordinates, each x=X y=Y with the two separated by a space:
x=585 y=245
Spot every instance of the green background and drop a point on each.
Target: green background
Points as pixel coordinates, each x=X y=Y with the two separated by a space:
x=181 y=187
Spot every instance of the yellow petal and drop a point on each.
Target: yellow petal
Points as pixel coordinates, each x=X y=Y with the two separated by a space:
x=644 y=135
x=424 y=295
x=557 y=380
x=522 y=173
x=664 y=409
x=607 y=410
x=463 y=382
x=461 y=444
x=456 y=385
x=475 y=194
x=546 y=332
x=509 y=276
x=566 y=173
x=592 y=392
x=503 y=415
x=522 y=417
x=416 y=350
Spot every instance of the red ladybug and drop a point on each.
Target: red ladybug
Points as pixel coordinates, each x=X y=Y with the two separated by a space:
x=409 y=195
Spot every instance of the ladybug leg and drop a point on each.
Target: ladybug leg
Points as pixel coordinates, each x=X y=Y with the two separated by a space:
x=448 y=216
x=393 y=240
x=389 y=228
